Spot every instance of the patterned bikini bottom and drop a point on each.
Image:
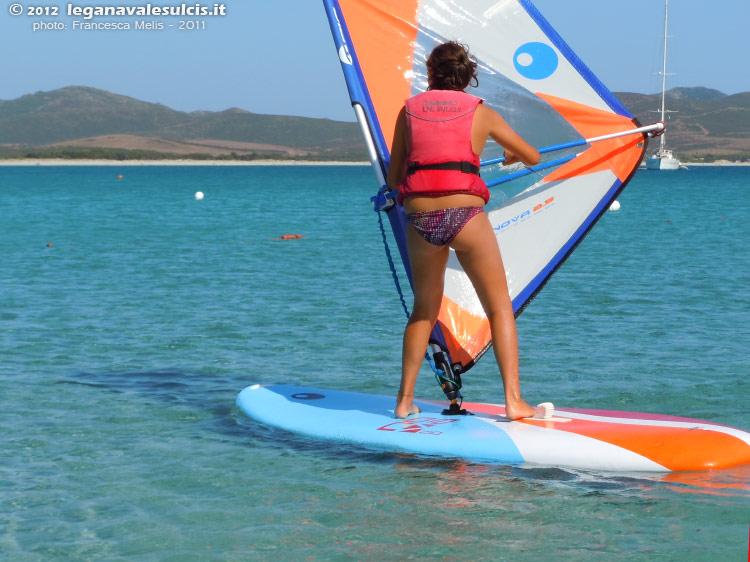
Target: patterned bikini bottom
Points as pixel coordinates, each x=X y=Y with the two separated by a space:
x=441 y=226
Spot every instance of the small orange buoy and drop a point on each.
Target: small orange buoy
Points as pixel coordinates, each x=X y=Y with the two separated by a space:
x=119 y=177
x=49 y=244
x=288 y=237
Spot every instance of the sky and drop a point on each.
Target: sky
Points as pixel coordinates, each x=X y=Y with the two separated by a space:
x=277 y=57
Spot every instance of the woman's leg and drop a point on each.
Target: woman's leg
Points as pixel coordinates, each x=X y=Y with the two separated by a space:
x=477 y=251
x=428 y=272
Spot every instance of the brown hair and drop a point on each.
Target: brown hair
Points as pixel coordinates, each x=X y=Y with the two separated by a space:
x=450 y=67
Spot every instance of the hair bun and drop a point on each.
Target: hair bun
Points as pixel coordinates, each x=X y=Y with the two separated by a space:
x=450 y=67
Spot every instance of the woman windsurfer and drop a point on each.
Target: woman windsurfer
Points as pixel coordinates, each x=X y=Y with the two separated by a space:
x=435 y=166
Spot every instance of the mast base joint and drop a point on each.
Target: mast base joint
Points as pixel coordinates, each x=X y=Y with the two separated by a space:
x=456 y=410
x=385 y=200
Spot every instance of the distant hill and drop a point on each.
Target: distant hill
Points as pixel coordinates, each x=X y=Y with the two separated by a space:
x=703 y=121
x=697 y=93
x=84 y=117
x=82 y=122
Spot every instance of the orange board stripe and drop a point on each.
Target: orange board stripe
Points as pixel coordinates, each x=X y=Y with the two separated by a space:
x=676 y=448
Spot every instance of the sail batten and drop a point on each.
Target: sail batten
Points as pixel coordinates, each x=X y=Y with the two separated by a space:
x=545 y=92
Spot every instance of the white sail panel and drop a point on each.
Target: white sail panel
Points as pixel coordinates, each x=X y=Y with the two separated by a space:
x=503 y=36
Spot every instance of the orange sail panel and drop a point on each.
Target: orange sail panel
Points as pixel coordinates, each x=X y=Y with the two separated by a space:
x=466 y=334
x=621 y=154
x=386 y=31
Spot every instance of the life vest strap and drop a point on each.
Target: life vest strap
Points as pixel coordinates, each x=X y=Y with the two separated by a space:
x=464 y=167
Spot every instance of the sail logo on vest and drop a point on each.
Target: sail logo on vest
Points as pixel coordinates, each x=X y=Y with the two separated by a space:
x=526 y=214
x=441 y=106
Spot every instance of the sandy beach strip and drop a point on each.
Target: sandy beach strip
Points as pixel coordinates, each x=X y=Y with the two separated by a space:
x=67 y=162
x=717 y=163
x=187 y=162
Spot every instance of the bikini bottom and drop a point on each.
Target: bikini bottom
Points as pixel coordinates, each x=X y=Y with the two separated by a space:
x=441 y=226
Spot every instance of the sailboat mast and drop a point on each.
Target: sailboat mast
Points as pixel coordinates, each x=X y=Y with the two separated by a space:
x=664 y=69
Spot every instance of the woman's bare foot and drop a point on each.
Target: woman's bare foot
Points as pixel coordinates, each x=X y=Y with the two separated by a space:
x=522 y=410
x=405 y=406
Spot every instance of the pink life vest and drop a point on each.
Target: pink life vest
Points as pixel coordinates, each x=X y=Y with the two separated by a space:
x=441 y=160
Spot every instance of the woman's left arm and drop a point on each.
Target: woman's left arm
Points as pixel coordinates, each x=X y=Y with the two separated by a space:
x=399 y=151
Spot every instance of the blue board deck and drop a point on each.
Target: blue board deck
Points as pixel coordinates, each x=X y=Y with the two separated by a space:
x=575 y=438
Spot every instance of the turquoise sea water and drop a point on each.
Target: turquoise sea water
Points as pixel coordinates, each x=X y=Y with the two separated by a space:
x=125 y=343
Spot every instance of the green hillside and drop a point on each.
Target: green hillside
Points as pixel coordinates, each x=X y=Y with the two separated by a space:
x=82 y=122
x=701 y=121
x=76 y=112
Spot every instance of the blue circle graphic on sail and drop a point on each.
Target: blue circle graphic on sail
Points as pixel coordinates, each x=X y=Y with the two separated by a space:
x=535 y=61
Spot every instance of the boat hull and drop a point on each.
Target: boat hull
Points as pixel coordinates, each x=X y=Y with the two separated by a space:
x=656 y=163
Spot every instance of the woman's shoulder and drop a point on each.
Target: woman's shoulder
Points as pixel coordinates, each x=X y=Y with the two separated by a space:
x=487 y=112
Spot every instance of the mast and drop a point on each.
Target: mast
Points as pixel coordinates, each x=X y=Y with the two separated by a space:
x=664 y=71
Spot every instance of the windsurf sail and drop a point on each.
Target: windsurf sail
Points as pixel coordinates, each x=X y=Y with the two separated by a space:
x=591 y=144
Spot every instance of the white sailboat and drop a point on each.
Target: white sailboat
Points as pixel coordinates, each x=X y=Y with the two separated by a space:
x=663 y=159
